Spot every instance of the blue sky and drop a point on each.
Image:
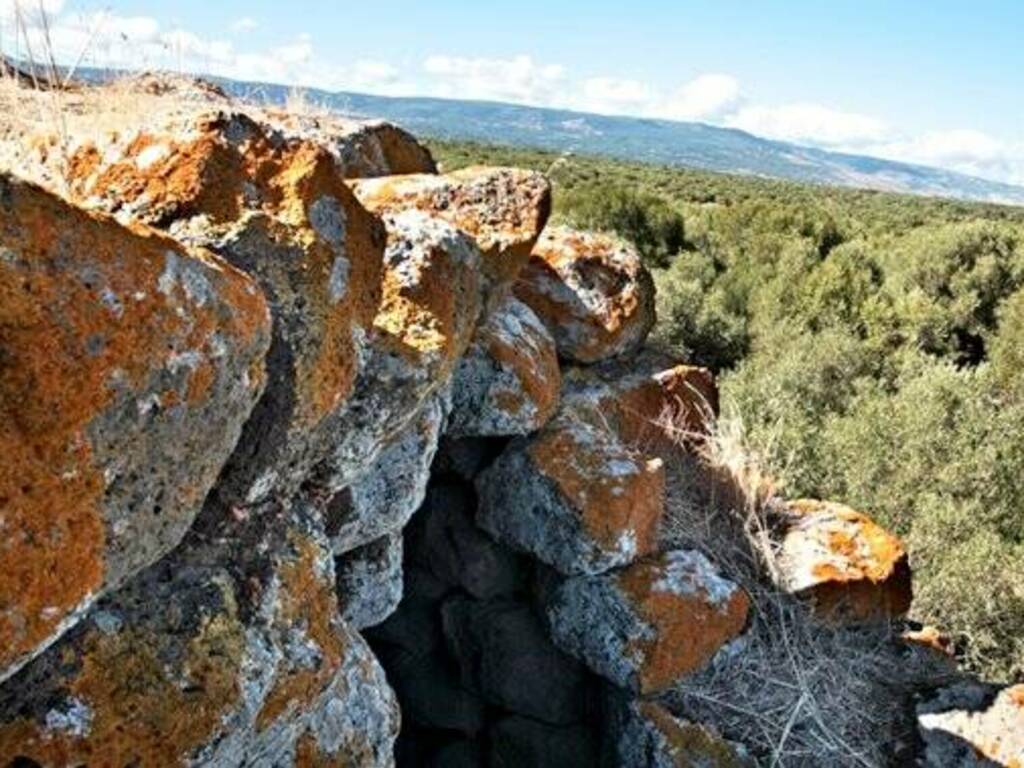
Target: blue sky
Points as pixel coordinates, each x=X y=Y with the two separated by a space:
x=936 y=82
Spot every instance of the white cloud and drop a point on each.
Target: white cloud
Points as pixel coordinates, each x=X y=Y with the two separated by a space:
x=706 y=97
x=810 y=123
x=615 y=95
x=244 y=24
x=965 y=150
x=518 y=79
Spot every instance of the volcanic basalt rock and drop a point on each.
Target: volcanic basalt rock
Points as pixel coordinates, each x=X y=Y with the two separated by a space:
x=846 y=564
x=648 y=625
x=591 y=291
x=129 y=366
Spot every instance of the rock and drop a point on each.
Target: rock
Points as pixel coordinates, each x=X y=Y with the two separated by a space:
x=517 y=741
x=849 y=567
x=643 y=734
x=592 y=292
x=383 y=499
x=276 y=208
x=651 y=402
x=503 y=209
x=429 y=310
x=970 y=724
x=467 y=457
x=195 y=662
x=414 y=629
x=574 y=497
x=362 y=148
x=458 y=754
x=508 y=381
x=456 y=552
x=504 y=654
x=649 y=625
x=129 y=367
x=370 y=581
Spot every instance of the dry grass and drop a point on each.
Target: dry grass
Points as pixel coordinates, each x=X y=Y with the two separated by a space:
x=793 y=691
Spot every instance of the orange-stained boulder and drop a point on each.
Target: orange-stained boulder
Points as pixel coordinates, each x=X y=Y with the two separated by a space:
x=503 y=209
x=647 y=626
x=276 y=208
x=848 y=566
x=363 y=148
x=972 y=725
x=129 y=366
x=644 y=733
x=574 y=497
x=430 y=306
x=592 y=292
x=652 y=402
x=508 y=381
x=227 y=652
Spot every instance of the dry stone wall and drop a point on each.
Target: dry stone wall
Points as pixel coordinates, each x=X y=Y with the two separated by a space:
x=312 y=455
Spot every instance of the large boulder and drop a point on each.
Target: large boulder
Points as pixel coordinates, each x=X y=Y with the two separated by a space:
x=849 y=567
x=503 y=209
x=362 y=148
x=428 y=312
x=969 y=724
x=226 y=653
x=508 y=381
x=592 y=291
x=277 y=208
x=649 y=625
x=574 y=497
x=129 y=366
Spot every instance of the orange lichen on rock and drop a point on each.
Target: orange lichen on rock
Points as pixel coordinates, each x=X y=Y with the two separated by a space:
x=89 y=311
x=591 y=290
x=851 y=568
x=130 y=708
x=688 y=745
x=690 y=609
x=216 y=172
x=619 y=497
x=308 y=604
x=503 y=209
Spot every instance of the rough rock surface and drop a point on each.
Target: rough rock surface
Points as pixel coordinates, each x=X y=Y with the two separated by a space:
x=195 y=662
x=129 y=366
x=386 y=495
x=574 y=497
x=647 y=626
x=370 y=581
x=971 y=724
x=591 y=291
x=429 y=309
x=503 y=209
x=643 y=734
x=508 y=381
x=850 y=567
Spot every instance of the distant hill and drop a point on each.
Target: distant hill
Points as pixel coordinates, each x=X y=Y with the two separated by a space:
x=692 y=145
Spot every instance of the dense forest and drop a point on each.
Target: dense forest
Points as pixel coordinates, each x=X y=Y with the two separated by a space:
x=871 y=346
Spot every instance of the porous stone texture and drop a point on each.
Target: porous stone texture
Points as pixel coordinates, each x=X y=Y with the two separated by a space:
x=850 y=568
x=384 y=497
x=198 y=662
x=970 y=724
x=508 y=381
x=643 y=734
x=503 y=209
x=592 y=291
x=647 y=626
x=370 y=581
x=430 y=305
x=129 y=365
x=574 y=497
x=276 y=208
